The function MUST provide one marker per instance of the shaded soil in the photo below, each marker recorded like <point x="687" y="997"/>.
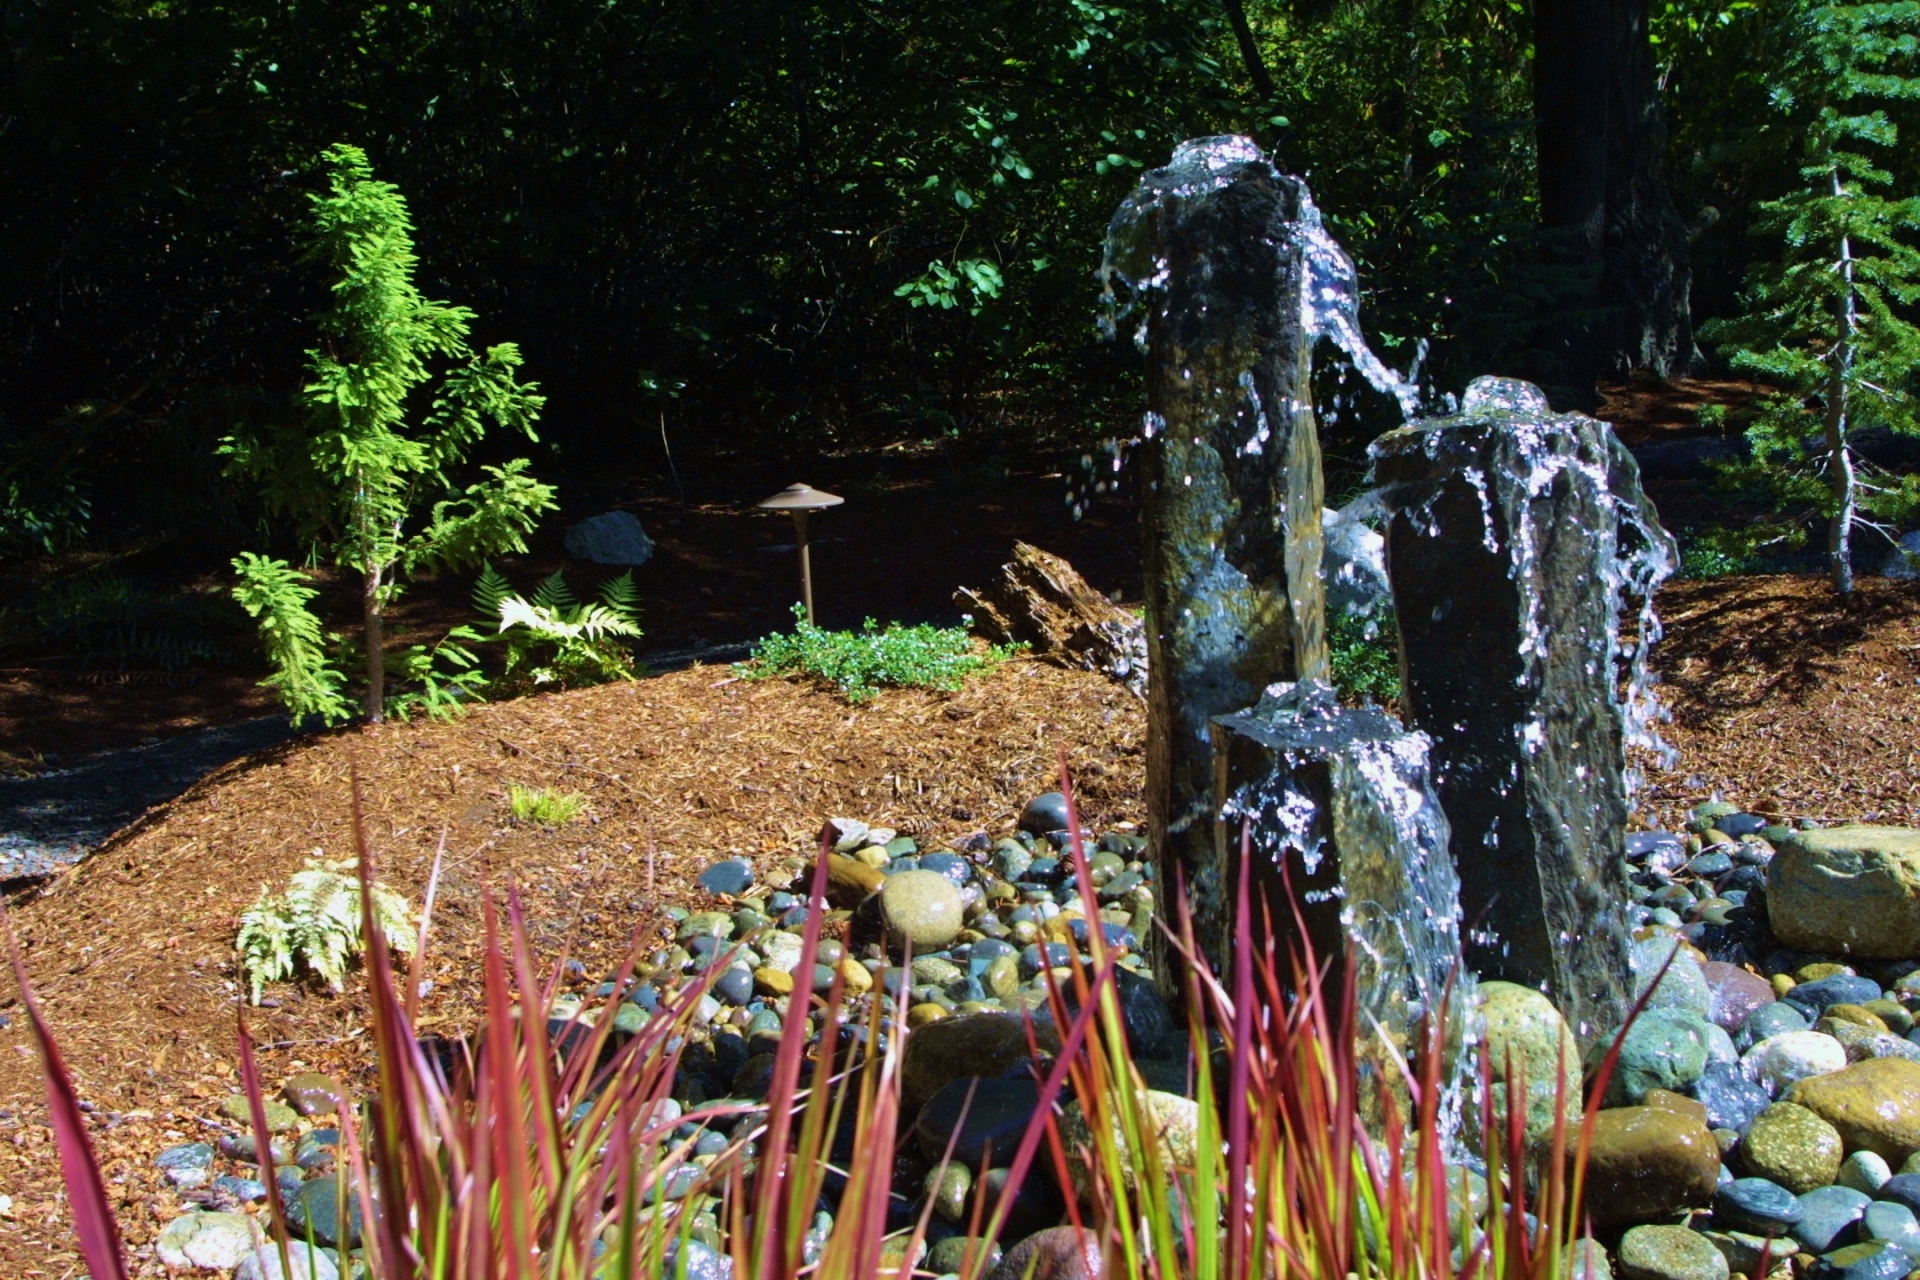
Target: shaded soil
<point x="723" y="574"/>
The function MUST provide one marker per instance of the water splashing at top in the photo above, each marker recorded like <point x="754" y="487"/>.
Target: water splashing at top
<point x="1328" y="298"/>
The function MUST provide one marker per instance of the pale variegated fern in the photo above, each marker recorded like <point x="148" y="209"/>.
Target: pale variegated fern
<point x="316" y="924"/>
<point x="554" y="641"/>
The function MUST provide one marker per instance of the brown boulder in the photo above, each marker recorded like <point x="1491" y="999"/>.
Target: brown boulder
<point x="1874" y="1104"/>
<point x="1647" y="1163"/>
<point x="1042" y="601"/>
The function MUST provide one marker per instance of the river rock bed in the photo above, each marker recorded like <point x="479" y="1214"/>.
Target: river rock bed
<point x="1765" y="1101"/>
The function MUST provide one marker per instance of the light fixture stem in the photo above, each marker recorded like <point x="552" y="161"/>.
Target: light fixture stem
<point x="806" y="564"/>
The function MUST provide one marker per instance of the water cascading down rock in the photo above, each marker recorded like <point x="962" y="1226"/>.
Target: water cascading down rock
<point x="1234" y="279"/>
<point x="1517" y="538"/>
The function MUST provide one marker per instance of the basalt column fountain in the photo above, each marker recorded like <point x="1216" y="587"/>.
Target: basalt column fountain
<point x="1234" y="279"/>
<point x="1207" y="251"/>
<point x="1517" y="539"/>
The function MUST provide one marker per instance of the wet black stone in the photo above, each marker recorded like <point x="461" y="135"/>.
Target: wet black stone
<point x="1037" y="1202"/>
<point x="984" y="1119"/>
<point x="1813" y="998"/>
<point x="1045" y="870"/>
<point x="732" y="877"/>
<point x="1044" y="813"/>
<point x="1740" y="824"/>
<point x="1732" y="1101"/>
<point x="1485" y="564"/>
<point x="1755" y="1205"/>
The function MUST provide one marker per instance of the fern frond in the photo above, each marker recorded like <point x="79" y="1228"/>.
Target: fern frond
<point x="555" y="594"/>
<point x="623" y="599"/>
<point x="491" y="588"/>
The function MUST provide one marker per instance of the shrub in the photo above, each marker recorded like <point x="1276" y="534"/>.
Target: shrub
<point x="547" y="807"/>
<point x="556" y="641"/>
<point x="1364" y="656"/>
<point x="859" y="663"/>
<point x="316" y="925"/>
<point x="364" y="481"/>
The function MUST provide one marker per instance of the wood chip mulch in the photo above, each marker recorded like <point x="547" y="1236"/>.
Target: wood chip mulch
<point x="1790" y="700"/>
<point x="131" y="955"/>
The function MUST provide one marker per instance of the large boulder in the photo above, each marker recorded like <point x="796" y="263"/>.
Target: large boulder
<point x="1648" y="1163"/>
<point x="1525" y="1038"/>
<point x="615" y="537"/>
<point x="1853" y="890"/>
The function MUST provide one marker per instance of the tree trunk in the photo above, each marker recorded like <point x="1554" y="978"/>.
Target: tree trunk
<point x="1256" y="65"/>
<point x="1607" y="219"/>
<point x="376" y="638"/>
<point x="1839" y="458"/>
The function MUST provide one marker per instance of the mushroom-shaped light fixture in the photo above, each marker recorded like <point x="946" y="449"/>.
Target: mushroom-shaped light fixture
<point x="802" y="499"/>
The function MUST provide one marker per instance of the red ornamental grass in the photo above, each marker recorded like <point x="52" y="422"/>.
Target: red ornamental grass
<point x="531" y="1160"/>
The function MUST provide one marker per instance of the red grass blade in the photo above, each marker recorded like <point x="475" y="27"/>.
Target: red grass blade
<point x="93" y="1220"/>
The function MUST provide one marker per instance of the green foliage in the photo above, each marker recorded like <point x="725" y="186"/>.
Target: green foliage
<point x="1365" y="656"/>
<point x="277" y="595"/>
<point x="103" y="619"/>
<point x="859" y="663"/>
<point x="556" y="641"/>
<point x="1828" y="322"/>
<point x="353" y="475"/>
<point x="315" y="925"/>
<point x="544" y="805"/>
<point x="445" y="677"/>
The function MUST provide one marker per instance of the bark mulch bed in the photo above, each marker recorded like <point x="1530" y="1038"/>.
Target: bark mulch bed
<point x="131" y="954"/>
<point x="1790" y="700"/>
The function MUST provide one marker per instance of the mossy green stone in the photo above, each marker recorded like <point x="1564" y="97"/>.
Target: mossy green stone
<point x="1670" y="1253"/>
<point x="280" y="1117"/>
<point x="1792" y="1146"/>
<point x="1524" y="1036"/>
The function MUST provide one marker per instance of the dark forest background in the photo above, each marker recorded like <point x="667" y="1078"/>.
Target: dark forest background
<point x="788" y="228"/>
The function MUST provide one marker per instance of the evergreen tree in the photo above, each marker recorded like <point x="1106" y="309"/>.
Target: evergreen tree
<point x="355" y="471"/>
<point x="1829" y="321"/>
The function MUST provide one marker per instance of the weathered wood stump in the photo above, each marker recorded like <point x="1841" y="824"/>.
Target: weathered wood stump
<point x="1041" y="601"/>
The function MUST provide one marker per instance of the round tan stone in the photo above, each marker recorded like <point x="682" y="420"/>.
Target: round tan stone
<point x="1173" y="1122"/>
<point x="772" y="981"/>
<point x="925" y="1014"/>
<point x="1792" y="1146"/>
<point x="1851" y="889"/>
<point x="1874" y="1105"/>
<point x="1648" y="1163"/>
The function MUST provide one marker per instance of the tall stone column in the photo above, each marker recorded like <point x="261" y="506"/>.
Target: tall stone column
<point x="1208" y="251"/>
<point x="1517" y="537"/>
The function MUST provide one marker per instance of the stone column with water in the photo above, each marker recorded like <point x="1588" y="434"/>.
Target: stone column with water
<point x="1209" y="254"/>
<point x="1234" y="279"/>
<point x="1517" y="538"/>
